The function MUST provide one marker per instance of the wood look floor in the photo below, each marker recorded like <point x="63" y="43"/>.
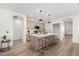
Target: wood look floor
<point x="63" y="48"/>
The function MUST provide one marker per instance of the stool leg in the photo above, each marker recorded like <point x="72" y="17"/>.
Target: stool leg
<point x="48" y="43"/>
<point x="42" y="44"/>
<point x="8" y="45"/>
<point x="1" y="47"/>
<point x="38" y="45"/>
<point x="45" y="44"/>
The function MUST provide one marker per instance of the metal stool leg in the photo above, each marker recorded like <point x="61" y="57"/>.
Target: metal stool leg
<point x="38" y="45"/>
<point x="1" y="47"/>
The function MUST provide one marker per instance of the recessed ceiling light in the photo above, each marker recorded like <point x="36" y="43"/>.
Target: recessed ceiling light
<point x="38" y="10"/>
<point x="48" y="14"/>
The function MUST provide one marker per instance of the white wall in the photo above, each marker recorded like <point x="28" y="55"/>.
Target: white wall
<point x="24" y="30"/>
<point x="61" y="27"/>
<point x="56" y="29"/>
<point x="6" y="23"/>
<point x="76" y="29"/>
<point x="48" y="27"/>
<point x="62" y="30"/>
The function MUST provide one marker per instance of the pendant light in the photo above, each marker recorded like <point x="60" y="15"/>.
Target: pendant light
<point x="40" y="11"/>
<point x="49" y="18"/>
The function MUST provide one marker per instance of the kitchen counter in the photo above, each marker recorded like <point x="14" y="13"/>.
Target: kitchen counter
<point x="42" y="35"/>
<point x="36" y="39"/>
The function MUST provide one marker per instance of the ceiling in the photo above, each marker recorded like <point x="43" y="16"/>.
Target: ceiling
<point x="56" y="10"/>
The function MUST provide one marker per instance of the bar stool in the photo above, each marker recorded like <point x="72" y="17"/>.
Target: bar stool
<point x="46" y="43"/>
<point x="40" y="44"/>
<point x="51" y="40"/>
<point x="28" y="40"/>
<point x="40" y="47"/>
<point x="56" y="40"/>
<point x="43" y="43"/>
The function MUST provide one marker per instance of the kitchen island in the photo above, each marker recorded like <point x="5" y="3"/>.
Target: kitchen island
<point x="38" y="41"/>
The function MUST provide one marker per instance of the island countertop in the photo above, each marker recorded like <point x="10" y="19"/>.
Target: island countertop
<point x="42" y="35"/>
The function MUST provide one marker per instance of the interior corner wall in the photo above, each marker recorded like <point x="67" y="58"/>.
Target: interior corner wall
<point x="62" y="32"/>
<point x="24" y="30"/>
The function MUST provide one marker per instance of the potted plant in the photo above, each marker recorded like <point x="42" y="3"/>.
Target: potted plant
<point x="4" y="38"/>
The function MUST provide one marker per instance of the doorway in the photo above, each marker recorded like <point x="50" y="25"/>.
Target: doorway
<point x="17" y="28"/>
<point x="56" y="29"/>
<point x="68" y="29"/>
